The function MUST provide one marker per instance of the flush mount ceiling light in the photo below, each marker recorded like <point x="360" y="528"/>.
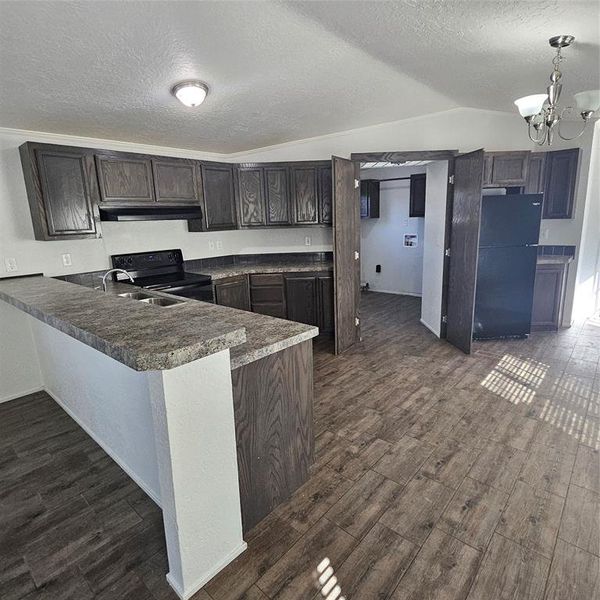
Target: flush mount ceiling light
<point x="190" y="93"/>
<point x="541" y="111"/>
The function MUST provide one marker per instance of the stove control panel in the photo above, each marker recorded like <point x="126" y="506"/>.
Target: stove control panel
<point x="148" y="260"/>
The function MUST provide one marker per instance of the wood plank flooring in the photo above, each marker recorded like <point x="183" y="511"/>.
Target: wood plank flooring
<point x="437" y="476"/>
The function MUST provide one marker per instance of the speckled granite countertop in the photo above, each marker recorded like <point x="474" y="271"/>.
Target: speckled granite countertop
<point x="553" y="259"/>
<point x="262" y="267"/>
<point x="147" y="337"/>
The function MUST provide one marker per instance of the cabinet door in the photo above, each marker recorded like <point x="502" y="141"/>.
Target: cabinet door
<point x="62" y="191"/>
<point x="176" y="180"/>
<point x="219" y="197"/>
<point x="559" y="187"/>
<point x="324" y="189"/>
<point x="304" y="195"/>
<point x="369" y="199"/>
<point x="535" y="174"/>
<point x="418" y="183"/>
<point x="301" y="299"/>
<point x="507" y="168"/>
<point x="277" y="195"/>
<point x="251" y="196"/>
<point x="547" y="297"/>
<point x="125" y="178"/>
<point x="325" y="295"/>
<point x="233" y="292"/>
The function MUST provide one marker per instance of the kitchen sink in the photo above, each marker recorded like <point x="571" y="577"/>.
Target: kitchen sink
<point x="135" y="295"/>
<point x="161" y="301"/>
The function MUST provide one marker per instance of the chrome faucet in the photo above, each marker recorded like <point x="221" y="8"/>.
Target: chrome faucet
<point x="114" y="271"/>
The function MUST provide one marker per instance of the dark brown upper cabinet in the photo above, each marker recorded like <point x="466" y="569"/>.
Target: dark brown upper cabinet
<point x="325" y="195"/>
<point x="219" y="196"/>
<point x="176" y="180"/>
<point x="251" y="197"/>
<point x="62" y="191"/>
<point x="125" y="178"/>
<point x="418" y="185"/>
<point x="559" y="183"/>
<point x="233" y="292"/>
<point x="277" y="192"/>
<point x="505" y="169"/>
<point x="305" y="195"/>
<point x="535" y="173"/>
<point x="369" y="199"/>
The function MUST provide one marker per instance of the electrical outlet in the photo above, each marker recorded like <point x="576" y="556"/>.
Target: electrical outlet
<point x="211" y="245"/>
<point x="219" y="245"/>
<point x="11" y="264"/>
<point x="66" y="260"/>
<point x="307" y="241"/>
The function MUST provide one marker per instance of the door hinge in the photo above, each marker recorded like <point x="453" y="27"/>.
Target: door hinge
<point x="447" y="252"/>
<point x="356" y="255"/>
<point x="356" y="321"/>
<point x="445" y="319"/>
<point x="451" y="179"/>
<point x="356" y="183"/>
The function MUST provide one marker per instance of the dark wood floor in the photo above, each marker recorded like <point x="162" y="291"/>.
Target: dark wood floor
<point x="437" y="476"/>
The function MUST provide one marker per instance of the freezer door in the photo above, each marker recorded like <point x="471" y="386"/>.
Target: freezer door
<point x="510" y="220"/>
<point x="504" y="295"/>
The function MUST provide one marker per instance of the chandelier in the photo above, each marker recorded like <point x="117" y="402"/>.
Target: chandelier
<point x="541" y="111"/>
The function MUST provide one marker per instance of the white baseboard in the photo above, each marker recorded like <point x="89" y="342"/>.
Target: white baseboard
<point x="396" y="292"/>
<point x="105" y="447"/>
<point x="184" y="595"/>
<point x="436" y="333"/>
<point x="20" y="394"/>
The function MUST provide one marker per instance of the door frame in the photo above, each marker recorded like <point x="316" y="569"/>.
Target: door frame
<point x="403" y="156"/>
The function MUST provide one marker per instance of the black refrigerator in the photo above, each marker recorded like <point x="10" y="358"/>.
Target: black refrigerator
<point x="508" y="240"/>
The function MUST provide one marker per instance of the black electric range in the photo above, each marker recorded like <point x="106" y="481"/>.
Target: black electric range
<point x="163" y="271"/>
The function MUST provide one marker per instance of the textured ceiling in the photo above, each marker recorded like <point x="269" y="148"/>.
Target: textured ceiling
<point x="277" y="71"/>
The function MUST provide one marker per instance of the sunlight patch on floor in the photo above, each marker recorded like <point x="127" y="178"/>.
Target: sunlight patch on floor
<point x="515" y="379"/>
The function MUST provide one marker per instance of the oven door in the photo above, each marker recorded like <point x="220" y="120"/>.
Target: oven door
<point x="203" y="292"/>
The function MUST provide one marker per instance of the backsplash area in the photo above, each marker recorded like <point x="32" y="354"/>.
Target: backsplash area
<point x="94" y="278"/>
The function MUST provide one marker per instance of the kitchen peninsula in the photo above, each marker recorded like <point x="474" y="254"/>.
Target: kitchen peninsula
<point x="207" y="408"/>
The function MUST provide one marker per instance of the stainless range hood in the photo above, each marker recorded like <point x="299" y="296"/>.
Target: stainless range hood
<point x="149" y="213"/>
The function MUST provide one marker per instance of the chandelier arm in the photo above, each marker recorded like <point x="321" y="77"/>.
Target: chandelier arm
<point x="568" y="139"/>
<point x="538" y="140"/>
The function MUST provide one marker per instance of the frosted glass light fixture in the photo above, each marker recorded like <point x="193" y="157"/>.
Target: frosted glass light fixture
<point x="589" y="100"/>
<point x="190" y="93"/>
<point x="531" y="105"/>
<point x="541" y="111"/>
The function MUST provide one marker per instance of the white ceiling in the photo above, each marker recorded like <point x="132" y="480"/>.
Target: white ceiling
<point x="277" y="71"/>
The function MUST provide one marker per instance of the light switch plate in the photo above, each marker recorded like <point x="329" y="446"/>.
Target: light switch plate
<point x="10" y="264"/>
<point x="307" y="240"/>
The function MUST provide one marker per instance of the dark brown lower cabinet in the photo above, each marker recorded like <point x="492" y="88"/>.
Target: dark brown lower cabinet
<point x="273" y="400"/>
<point x="267" y="293"/>
<point x="301" y="298"/>
<point x="548" y="296"/>
<point x="233" y="292"/>
<point x="309" y="298"/>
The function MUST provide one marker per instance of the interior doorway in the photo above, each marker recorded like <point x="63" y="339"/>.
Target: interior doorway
<point x="403" y="232"/>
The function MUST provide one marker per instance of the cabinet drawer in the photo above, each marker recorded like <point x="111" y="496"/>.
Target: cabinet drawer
<point x="266" y="293"/>
<point x="270" y="309"/>
<point x="267" y="279"/>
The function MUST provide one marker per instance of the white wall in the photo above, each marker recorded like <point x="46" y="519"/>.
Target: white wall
<point x="109" y="400"/>
<point x="16" y="231"/>
<point x="588" y="276"/>
<point x="19" y="368"/>
<point x="433" y="245"/>
<point x="382" y="239"/>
